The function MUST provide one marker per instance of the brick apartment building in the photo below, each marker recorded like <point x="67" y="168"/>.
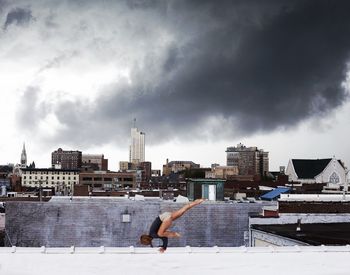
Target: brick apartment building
<point x="61" y="180"/>
<point x="178" y="166"/>
<point x="249" y="160"/>
<point x="95" y="160"/>
<point x="66" y="159"/>
<point x="102" y="180"/>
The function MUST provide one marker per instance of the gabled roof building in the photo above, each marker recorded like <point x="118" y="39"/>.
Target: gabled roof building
<point x="330" y="171"/>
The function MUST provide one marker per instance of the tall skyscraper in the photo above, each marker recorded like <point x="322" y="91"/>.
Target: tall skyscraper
<point x="249" y="160"/>
<point x="137" y="146"/>
<point x="24" y="156"/>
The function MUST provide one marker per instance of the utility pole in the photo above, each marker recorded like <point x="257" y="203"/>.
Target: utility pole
<point x="71" y="191"/>
<point x="40" y="192"/>
<point x="346" y="184"/>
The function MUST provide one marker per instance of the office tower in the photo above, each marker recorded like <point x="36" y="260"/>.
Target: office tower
<point x="137" y="146"/>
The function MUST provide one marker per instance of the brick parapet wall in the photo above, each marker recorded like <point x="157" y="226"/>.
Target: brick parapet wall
<point x="99" y="223"/>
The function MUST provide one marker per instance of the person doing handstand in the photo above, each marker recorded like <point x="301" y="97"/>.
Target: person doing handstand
<point x="159" y="227"/>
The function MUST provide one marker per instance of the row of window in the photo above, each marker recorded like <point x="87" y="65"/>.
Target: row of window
<point x="97" y="179"/>
<point x="106" y="179"/>
<point x="49" y="172"/>
<point x="41" y="177"/>
<point x="46" y="184"/>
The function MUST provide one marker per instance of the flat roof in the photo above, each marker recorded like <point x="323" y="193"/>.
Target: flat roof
<point x="311" y="233"/>
<point x="50" y="169"/>
<point x="206" y="180"/>
<point x="315" y="197"/>
<point x="176" y="260"/>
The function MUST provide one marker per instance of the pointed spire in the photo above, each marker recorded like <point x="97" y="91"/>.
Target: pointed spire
<point x="24" y="156"/>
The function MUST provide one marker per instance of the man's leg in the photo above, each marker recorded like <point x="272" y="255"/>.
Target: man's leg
<point x="177" y="214"/>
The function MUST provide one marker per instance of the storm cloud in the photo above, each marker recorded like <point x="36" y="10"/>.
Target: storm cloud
<point x="208" y="69"/>
<point x="18" y="16"/>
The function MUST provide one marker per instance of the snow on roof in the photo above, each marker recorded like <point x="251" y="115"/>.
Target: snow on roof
<point x="178" y="260"/>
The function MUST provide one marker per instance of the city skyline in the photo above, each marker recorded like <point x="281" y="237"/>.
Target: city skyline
<point x="198" y="76"/>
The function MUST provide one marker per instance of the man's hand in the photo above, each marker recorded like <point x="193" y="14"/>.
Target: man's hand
<point x="161" y="249"/>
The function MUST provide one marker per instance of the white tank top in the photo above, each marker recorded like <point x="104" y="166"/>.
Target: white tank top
<point x="164" y="216"/>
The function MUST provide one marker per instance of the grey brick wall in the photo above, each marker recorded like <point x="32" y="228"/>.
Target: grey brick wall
<point x="99" y="222"/>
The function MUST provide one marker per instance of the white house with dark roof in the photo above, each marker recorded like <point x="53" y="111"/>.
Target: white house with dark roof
<point x="330" y="171"/>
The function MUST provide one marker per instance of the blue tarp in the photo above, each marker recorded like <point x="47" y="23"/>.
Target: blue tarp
<point x="274" y="193"/>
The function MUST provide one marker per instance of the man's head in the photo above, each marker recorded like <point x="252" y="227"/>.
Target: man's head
<point x="146" y="240"/>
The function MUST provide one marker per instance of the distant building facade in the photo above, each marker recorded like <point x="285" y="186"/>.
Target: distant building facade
<point x="98" y="159"/>
<point x="137" y="146"/>
<point x="67" y="159"/>
<point x="146" y="167"/>
<point x="60" y="180"/>
<point x="125" y="165"/>
<point x="222" y="172"/>
<point x="101" y="180"/>
<point x="249" y="160"/>
<point x="178" y="166"/>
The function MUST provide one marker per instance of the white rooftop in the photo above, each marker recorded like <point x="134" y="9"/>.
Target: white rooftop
<point x="176" y="260"/>
<point x="314" y="197"/>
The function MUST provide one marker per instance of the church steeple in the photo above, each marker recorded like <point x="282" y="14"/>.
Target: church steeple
<point x="24" y="156"/>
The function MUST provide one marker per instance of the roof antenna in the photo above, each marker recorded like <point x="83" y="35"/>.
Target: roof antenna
<point x="134" y="122"/>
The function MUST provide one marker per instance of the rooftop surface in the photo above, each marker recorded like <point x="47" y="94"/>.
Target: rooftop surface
<point x="316" y="197"/>
<point x="312" y="233"/>
<point x="180" y="260"/>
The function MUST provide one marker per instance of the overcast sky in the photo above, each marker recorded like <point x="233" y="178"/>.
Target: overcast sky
<point x="198" y="76"/>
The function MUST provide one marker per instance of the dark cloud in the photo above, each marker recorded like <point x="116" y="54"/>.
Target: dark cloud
<point x="259" y="76"/>
<point x="18" y="16"/>
<point x="146" y="4"/>
<point x="3" y="3"/>
<point x="255" y="65"/>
